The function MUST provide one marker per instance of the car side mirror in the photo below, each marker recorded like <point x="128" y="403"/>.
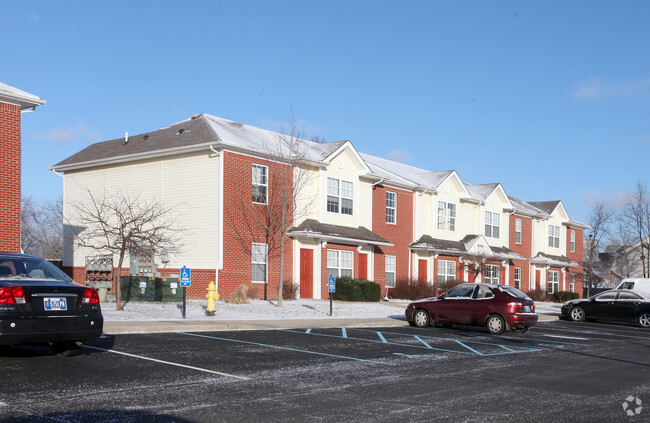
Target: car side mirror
<point x="442" y="296"/>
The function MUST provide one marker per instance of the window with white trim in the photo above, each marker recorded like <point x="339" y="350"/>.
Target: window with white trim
<point x="491" y="273"/>
<point x="446" y="270"/>
<point x="259" y="262"/>
<point x="572" y="282"/>
<point x="553" y="281"/>
<point x="446" y="216"/>
<point x="518" y="277"/>
<point x="491" y="224"/>
<point x="340" y="195"/>
<point x="518" y="232"/>
<point x="391" y="206"/>
<point x="391" y="266"/>
<point x="553" y="236"/>
<point x="260" y="183"/>
<point x="573" y="241"/>
<point x="340" y="264"/>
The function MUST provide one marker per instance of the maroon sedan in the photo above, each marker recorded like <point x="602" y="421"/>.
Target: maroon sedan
<point x="496" y="307"/>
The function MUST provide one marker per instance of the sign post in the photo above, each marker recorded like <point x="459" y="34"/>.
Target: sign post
<point x="186" y="282"/>
<point x="331" y="287"/>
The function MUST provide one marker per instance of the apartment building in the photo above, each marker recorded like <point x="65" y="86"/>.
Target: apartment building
<point x="353" y="214"/>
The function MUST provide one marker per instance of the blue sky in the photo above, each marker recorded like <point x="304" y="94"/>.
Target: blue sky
<point x="548" y="98"/>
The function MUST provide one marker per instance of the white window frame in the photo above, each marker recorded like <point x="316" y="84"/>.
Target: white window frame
<point x="553" y="281"/>
<point x="518" y="230"/>
<point x="340" y="263"/>
<point x="491" y="273"/>
<point x="492" y="224"/>
<point x="340" y="196"/>
<point x="446" y="216"/>
<point x="391" y="207"/>
<point x="446" y="270"/>
<point x="553" y="236"/>
<point x="573" y="241"/>
<point x="260" y="182"/>
<point x="390" y="270"/>
<point x="518" y="277"/>
<point x="572" y="282"/>
<point x="259" y="257"/>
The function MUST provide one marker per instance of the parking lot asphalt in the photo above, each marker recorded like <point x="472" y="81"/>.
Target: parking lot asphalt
<point x="154" y="326"/>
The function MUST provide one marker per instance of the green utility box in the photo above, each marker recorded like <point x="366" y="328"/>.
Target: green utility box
<point x="150" y="289"/>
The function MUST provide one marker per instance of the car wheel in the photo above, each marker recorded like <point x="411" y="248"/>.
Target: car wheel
<point x="421" y="318"/>
<point x="66" y="348"/>
<point x="644" y="320"/>
<point x="520" y="330"/>
<point x="577" y="314"/>
<point x="495" y="324"/>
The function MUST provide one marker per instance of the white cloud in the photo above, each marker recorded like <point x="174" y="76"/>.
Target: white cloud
<point x="67" y="135"/>
<point x="598" y="88"/>
<point x="612" y="199"/>
<point x="401" y="156"/>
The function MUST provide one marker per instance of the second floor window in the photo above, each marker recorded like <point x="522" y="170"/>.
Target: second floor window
<point x="573" y="241"/>
<point x="518" y="231"/>
<point x="260" y="183"/>
<point x="391" y="207"/>
<point x="446" y="216"/>
<point x="492" y="224"/>
<point x="553" y="236"/>
<point x="340" y="196"/>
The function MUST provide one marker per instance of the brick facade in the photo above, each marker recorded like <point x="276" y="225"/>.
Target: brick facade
<point x="10" y="177"/>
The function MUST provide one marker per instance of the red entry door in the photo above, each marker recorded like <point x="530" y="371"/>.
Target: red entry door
<point x="422" y="270"/>
<point x="306" y="273"/>
<point x="363" y="266"/>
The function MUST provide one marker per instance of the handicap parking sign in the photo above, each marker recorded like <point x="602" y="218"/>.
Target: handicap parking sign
<point x="186" y="277"/>
<point x="331" y="284"/>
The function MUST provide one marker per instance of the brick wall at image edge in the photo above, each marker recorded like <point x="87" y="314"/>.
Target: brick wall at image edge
<point x="10" y="177"/>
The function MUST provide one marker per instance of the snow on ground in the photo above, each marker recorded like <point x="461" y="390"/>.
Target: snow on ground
<point x="269" y="310"/>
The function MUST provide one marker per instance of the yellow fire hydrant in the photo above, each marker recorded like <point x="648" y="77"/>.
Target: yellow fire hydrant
<point x="212" y="296"/>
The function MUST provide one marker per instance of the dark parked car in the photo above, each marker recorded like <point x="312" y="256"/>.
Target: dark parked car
<point x="41" y="304"/>
<point x="494" y="306"/>
<point x="618" y="304"/>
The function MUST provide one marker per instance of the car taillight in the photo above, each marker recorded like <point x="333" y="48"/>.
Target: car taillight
<point x="90" y="296"/>
<point x="515" y="305"/>
<point x="12" y="295"/>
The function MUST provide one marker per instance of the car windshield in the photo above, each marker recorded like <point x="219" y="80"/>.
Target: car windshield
<point x="27" y="267"/>
<point x="514" y="292"/>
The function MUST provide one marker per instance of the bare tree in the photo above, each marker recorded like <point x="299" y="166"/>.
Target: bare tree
<point x="636" y="216"/>
<point x="600" y="220"/>
<point x="278" y="203"/>
<point x="476" y="264"/>
<point x="41" y="227"/>
<point x="120" y="223"/>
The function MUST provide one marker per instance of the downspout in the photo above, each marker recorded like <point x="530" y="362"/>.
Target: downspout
<point x="219" y="220"/>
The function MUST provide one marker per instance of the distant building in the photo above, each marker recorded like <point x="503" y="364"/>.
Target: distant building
<point x="368" y="217"/>
<point x="13" y="102"/>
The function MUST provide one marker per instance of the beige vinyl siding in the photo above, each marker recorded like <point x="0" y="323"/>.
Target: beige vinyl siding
<point x="189" y="183"/>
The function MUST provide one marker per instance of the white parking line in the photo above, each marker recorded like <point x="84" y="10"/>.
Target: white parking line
<point x="167" y="362"/>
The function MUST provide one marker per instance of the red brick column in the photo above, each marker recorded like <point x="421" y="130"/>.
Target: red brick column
<point x="10" y="177"/>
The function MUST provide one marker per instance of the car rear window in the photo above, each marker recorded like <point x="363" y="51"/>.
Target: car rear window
<point x="514" y="292"/>
<point x="27" y="267"/>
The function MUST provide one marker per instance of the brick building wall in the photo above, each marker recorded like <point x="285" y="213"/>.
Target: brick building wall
<point x="524" y="249"/>
<point x="400" y="233"/>
<point x="10" y="177"/>
<point x="241" y="229"/>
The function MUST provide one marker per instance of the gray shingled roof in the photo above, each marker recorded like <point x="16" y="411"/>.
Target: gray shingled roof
<point x="344" y="234"/>
<point x="546" y="206"/>
<point x="459" y="248"/>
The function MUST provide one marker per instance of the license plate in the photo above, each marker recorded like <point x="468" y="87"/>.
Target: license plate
<point x="527" y="309"/>
<point x="55" y="304"/>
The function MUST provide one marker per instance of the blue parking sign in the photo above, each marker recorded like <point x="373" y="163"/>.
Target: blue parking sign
<point x="331" y="284"/>
<point x="186" y="277"/>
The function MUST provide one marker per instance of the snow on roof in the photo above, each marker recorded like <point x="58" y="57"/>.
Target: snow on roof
<point x="482" y="191"/>
<point x="405" y="173"/>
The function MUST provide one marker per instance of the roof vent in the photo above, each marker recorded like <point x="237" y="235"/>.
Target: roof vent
<point x="146" y="137"/>
<point x="126" y="137"/>
<point x="180" y="131"/>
